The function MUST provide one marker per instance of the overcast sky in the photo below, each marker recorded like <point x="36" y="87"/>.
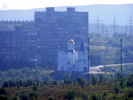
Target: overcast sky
<point x="29" y="4"/>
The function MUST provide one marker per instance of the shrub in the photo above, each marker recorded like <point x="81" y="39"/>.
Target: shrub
<point x="116" y="89"/>
<point x="79" y="80"/>
<point x="130" y="81"/>
<point x="45" y="82"/>
<point x="34" y="88"/>
<point x="6" y="84"/>
<point x="51" y="98"/>
<point x="84" y="95"/>
<point x="104" y="95"/>
<point x="70" y="95"/>
<point x="93" y="80"/>
<point x="36" y="94"/>
<point x="24" y="96"/>
<point x="4" y="97"/>
<point x="100" y="78"/>
<point x="3" y="91"/>
<point x="94" y="96"/>
<point x="129" y="93"/>
<point x="82" y="84"/>
<point x="54" y="82"/>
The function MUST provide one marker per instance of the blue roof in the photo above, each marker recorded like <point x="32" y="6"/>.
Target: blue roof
<point x="72" y="51"/>
<point x="82" y="47"/>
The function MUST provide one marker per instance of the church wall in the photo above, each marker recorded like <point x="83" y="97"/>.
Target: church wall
<point x="70" y="46"/>
<point x="82" y="55"/>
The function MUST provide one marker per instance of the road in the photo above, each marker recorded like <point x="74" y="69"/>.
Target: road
<point x="96" y="69"/>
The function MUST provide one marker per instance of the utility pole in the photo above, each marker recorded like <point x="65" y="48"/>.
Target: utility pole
<point x="28" y="46"/>
<point x="114" y="24"/>
<point x="121" y="57"/>
<point x="106" y="45"/>
<point x="102" y="28"/>
<point x="131" y="25"/>
<point x="106" y="33"/>
<point x="88" y="62"/>
<point x="130" y="32"/>
<point x="126" y="29"/>
<point x="97" y="24"/>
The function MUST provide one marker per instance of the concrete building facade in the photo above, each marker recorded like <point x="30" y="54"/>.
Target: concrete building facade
<point x="41" y="39"/>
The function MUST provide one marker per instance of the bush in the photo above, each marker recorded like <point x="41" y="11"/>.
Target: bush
<point x="70" y="95"/>
<point x="36" y="94"/>
<point x="24" y="96"/>
<point x="84" y="95"/>
<point x="4" y="97"/>
<point x="51" y="98"/>
<point x="54" y="82"/>
<point x="6" y="84"/>
<point x="82" y="84"/>
<point x="93" y="80"/>
<point x="34" y="88"/>
<point x="45" y="82"/>
<point x="130" y="81"/>
<point x="129" y="93"/>
<point x="79" y="80"/>
<point x="94" y="96"/>
<point x="116" y="89"/>
<point x="104" y="95"/>
<point x="3" y="91"/>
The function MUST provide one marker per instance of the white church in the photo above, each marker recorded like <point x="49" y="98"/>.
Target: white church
<point x="72" y="60"/>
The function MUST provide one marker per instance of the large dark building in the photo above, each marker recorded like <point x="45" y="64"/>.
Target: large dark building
<point x="40" y="40"/>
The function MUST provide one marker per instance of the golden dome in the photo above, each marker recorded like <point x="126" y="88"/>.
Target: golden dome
<point x="71" y="41"/>
<point x="82" y="37"/>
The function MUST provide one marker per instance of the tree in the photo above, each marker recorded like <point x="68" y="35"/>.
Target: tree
<point x="11" y="83"/>
<point x="100" y="78"/>
<point x="74" y="82"/>
<point x="34" y="88"/>
<point x="79" y="80"/>
<point x="45" y="82"/>
<point x="6" y="84"/>
<point x="54" y="82"/>
<point x="93" y="80"/>
<point x="82" y="84"/>
<point x="116" y="89"/>
<point x="130" y="81"/>
<point x="118" y="76"/>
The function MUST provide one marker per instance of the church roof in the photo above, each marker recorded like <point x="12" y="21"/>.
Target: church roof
<point x="82" y="47"/>
<point x="71" y="41"/>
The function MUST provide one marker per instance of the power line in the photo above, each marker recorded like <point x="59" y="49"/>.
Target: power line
<point x="123" y="45"/>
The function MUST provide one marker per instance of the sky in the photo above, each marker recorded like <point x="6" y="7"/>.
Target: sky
<point x="30" y="4"/>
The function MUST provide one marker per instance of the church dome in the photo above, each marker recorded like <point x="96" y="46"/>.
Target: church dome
<point x="71" y="41"/>
<point x="82" y="37"/>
